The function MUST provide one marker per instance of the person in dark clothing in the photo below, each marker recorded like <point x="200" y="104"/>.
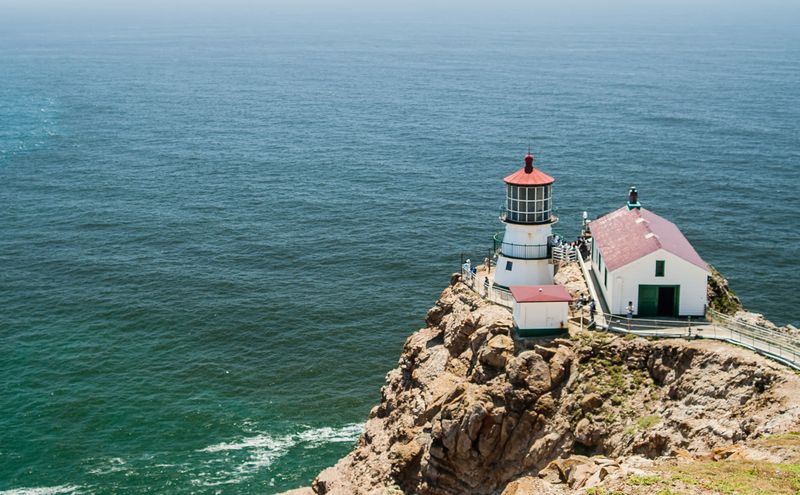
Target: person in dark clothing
<point x="629" y="311"/>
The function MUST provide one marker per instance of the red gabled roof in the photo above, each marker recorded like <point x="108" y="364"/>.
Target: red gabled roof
<point x="540" y="293"/>
<point x="535" y="178"/>
<point x="624" y="236"/>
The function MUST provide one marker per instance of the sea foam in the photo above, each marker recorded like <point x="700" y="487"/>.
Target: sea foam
<point x="43" y="490"/>
<point x="311" y="437"/>
<point x="264" y="449"/>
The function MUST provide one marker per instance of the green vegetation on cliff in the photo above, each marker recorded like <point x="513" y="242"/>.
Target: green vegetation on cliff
<point x="720" y="295"/>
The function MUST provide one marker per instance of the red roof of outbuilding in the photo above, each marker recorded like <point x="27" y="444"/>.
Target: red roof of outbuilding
<point x="529" y="176"/>
<point x="624" y="236"/>
<point x="540" y="293"/>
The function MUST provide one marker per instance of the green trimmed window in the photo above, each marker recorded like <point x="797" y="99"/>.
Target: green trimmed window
<point x="509" y="265"/>
<point x="605" y="277"/>
<point x="659" y="268"/>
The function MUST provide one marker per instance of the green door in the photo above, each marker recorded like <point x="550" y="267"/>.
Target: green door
<point x="659" y="300"/>
<point x="648" y="300"/>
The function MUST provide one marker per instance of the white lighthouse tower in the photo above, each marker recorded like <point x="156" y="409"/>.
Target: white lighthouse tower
<point x="524" y="250"/>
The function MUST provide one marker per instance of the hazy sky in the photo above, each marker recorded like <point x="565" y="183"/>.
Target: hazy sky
<point x="535" y="12"/>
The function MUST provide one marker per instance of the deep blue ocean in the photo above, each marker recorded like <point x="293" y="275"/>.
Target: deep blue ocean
<point x="213" y="243"/>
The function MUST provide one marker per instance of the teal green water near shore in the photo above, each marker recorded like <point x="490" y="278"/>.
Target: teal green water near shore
<point x="214" y="244"/>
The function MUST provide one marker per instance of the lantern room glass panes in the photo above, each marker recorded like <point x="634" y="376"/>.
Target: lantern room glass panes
<point x="528" y="204"/>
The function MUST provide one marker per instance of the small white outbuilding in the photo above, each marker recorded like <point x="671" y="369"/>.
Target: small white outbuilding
<point x="640" y="257"/>
<point x="540" y="309"/>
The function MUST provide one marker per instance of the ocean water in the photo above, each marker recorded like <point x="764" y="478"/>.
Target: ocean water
<point x="213" y="243"/>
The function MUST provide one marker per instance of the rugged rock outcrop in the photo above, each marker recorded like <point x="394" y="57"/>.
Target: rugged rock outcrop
<point x="470" y="409"/>
<point x="720" y="295"/>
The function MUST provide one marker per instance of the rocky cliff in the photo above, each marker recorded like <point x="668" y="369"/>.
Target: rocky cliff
<point x="469" y="409"/>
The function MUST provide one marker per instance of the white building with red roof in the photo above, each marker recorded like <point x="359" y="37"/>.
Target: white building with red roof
<point x="640" y="257"/>
<point x="540" y="309"/>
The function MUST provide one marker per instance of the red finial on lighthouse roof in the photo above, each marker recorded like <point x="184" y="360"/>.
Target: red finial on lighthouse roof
<point x="529" y="175"/>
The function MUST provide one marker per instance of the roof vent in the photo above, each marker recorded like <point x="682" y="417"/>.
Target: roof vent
<point x="528" y="163"/>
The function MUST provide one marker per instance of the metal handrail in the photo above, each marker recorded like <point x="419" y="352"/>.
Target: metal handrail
<point x="523" y="251"/>
<point x="774" y="335"/>
<point x="492" y="294"/>
<point x="771" y="343"/>
<point x="653" y="323"/>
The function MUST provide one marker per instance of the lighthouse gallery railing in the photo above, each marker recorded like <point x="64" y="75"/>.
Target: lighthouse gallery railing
<point x="522" y="251"/>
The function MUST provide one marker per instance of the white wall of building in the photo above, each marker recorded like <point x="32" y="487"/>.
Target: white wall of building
<point x="606" y="283"/>
<point x="523" y="272"/>
<point x="527" y="234"/>
<point x="540" y="315"/>
<point x="623" y="283"/>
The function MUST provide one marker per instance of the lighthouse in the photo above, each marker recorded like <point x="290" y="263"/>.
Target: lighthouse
<point x="523" y="250"/>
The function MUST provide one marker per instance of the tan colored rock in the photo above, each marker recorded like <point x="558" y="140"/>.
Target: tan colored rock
<point x="560" y="363"/>
<point x="591" y="402"/>
<point x="529" y="485"/>
<point x="579" y="474"/>
<point x="403" y="454"/>
<point x="589" y="433"/>
<point x="530" y="370"/>
<point x="570" y="276"/>
<point x="497" y="351"/>
<point x="300" y="491"/>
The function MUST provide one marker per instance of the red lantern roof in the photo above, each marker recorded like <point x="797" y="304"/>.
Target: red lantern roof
<point x="529" y="175"/>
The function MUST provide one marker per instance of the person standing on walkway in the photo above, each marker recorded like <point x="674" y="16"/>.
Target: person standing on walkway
<point x="578" y="305"/>
<point x="486" y="285"/>
<point x="629" y="309"/>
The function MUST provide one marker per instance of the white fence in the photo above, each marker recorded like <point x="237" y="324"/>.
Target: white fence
<point x="492" y="294"/>
<point x="771" y="343"/>
<point x="565" y="253"/>
<point x="776" y="344"/>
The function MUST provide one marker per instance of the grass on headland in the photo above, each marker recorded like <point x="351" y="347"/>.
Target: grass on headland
<point x="733" y="475"/>
<point x="646" y="422"/>
<point x="736" y="476"/>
